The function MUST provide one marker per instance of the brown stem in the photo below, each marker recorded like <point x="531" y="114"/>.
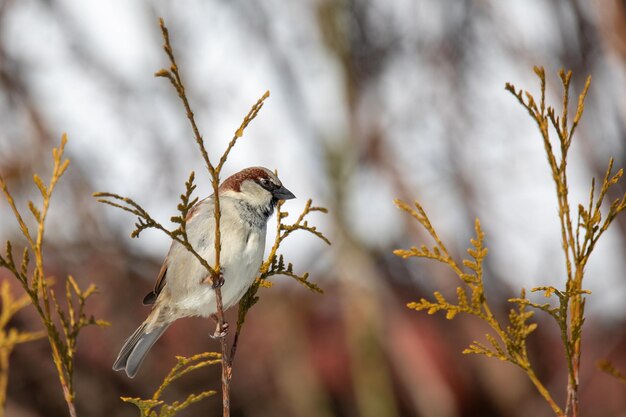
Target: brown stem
<point x="66" y="383"/>
<point x="69" y="399"/>
<point x="174" y="76"/>
<point x="571" y="409"/>
<point x="576" y="317"/>
<point x="226" y="377"/>
<point x="226" y="365"/>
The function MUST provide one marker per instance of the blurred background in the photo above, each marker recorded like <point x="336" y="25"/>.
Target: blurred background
<point x="370" y="101"/>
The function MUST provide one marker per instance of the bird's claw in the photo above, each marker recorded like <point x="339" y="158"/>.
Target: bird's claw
<point x="218" y="281"/>
<point x="221" y="330"/>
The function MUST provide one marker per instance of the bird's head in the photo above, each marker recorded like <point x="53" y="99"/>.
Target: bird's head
<point x="257" y="186"/>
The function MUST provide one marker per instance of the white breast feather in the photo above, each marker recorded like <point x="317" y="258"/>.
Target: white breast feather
<point x="241" y="257"/>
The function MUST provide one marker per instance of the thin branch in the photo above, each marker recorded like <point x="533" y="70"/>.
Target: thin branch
<point x="273" y="266"/>
<point x="37" y="287"/>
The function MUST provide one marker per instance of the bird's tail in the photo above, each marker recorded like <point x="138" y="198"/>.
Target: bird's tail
<point x="136" y="348"/>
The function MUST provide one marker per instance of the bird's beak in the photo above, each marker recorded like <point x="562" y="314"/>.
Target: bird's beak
<point x="283" y="194"/>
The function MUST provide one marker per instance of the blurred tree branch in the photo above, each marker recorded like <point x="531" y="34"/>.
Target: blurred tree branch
<point x="578" y="242"/>
<point x="62" y="336"/>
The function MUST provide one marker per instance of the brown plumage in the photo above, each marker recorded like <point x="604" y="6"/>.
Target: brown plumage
<point x="234" y="181"/>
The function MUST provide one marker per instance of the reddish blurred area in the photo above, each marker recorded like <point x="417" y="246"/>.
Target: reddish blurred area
<point x="356" y="350"/>
<point x="310" y="355"/>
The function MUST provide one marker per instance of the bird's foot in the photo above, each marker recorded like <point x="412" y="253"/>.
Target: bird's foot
<point x="221" y="330"/>
<point x="217" y="280"/>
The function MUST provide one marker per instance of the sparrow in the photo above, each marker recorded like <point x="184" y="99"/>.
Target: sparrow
<point x="247" y="200"/>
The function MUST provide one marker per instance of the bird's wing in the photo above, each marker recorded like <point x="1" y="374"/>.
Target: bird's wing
<point x="194" y="210"/>
<point x="151" y="297"/>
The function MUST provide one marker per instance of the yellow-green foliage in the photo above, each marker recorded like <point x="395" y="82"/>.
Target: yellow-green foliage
<point x="147" y="407"/>
<point x="505" y="343"/>
<point x="273" y="265"/>
<point x="10" y="337"/>
<point x="62" y="336"/>
<point x="578" y="241"/>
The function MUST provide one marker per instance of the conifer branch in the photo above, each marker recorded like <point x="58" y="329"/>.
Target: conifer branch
<point x="62" y="327"/>
<point x="509" y="344"/>
<point x="156" y="407"/>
